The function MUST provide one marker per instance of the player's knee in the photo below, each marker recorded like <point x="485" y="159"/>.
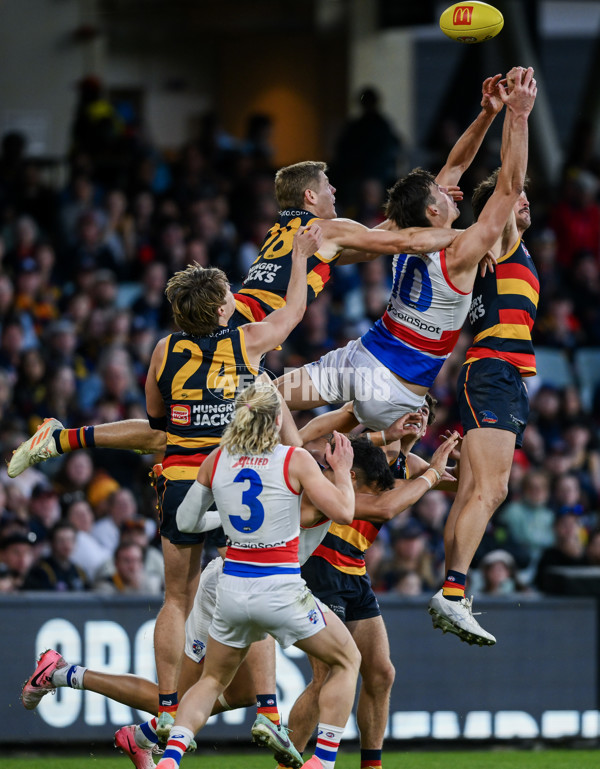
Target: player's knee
<point x="380" y="677"/>
<point x="493" y="493"/>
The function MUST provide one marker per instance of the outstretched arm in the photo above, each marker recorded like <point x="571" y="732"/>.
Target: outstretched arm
<point x="463" y="256"/>
<point x="276" y="327"/>
<point x="463" y="153"/>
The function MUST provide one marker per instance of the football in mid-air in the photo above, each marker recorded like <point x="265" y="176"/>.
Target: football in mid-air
<point x="471" y="22"/>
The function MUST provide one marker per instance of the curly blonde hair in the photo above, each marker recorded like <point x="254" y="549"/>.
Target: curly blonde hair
<point x="253" y="429"/>
<point x="195" y="295"/>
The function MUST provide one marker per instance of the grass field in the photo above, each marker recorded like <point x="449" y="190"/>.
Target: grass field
<point x="490" y="759"/>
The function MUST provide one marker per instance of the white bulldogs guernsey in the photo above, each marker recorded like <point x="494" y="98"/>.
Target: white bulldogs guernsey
<point x="260" y="512"/>
<point x="422" y="323"/>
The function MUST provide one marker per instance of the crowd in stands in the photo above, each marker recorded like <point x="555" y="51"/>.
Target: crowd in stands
<point x="83" y="268"/>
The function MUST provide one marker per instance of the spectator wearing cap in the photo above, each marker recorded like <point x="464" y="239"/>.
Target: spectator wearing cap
<point x="499" y="573"/>
<point x="44" y="510"/>
<point x="57" y="571"/>
<point x="129" y="576"/>
<point x="410" y="553"/>
<point x="568" y="548"/>
<point x="88" y="553"/>
<point x="18" y="554"/>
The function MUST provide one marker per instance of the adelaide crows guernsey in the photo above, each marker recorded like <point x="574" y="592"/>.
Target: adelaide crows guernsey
<point x="422" y="323"/>
<point x="503" y="311"/>
<point x="198" y="380"/>
<point x="265" y="286"/>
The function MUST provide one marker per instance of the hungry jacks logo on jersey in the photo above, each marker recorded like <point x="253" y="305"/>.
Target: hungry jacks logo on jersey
<point x="181" y="414"/>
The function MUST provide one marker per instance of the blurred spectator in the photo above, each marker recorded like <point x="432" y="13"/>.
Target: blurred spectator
<point x="529" y="520"/>
<point x="121" y="507"/>
<point x="8" y="579"/>
<point x="367" y="148"/>
<point x="17" y="553"/>
<point x="57" y="571"/>
<point x="129" y="576"/>
<point x="134" y="531"/>
<point x="576" y="217"/>
<point x="592" y="551"/>
<point x="499" y="574"/>
<point x="409" y="554"/>
<point x="88" y="553"/>
<point x="44" y="510"/>
<point x="567" y="550"/>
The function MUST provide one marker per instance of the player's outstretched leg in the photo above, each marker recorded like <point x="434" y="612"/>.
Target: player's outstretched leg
<point x="40" y="682"/>
<point x="132" y="742"/>
<point x="457" y="617"/>
<point x="38" y="448"/>
<point x="276" y="738"/>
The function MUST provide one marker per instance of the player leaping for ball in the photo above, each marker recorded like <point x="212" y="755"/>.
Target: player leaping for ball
<point x="388" y="371"/>
<point x="494" y="407"/>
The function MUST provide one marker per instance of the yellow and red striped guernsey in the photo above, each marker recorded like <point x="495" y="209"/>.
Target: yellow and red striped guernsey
<point x="344" y="547"/>
<point x="503" y="311"/>
<point x="265" y="286"/>
<point x="198" y="380"/>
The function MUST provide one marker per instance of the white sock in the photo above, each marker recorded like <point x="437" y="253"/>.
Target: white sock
<point x="328" y="742"/>
<point x="70" y="675"/>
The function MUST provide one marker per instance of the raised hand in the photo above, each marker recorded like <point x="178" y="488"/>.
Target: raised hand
<point x="521" y="90"/>
<point x="342" y="456"/>
<point x="307" y="241"/>
<point x="491" y="100"/>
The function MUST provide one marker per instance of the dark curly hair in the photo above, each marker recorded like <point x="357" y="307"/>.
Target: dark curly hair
<point x="370" y="465"/>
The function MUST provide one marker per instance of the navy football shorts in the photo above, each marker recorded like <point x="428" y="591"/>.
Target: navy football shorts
<point x="350" y="596"/>
<point x="170" y="495"/>
<point x="491" y="393"/>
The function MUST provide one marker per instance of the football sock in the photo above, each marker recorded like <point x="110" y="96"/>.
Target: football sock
<point x="454" y="586"/>
<point x="168" y="703"/>
<point x="328" y="742"/>
<point x="148" y="729"/>
<point x="71" y="675"/>
<point x="78" y="438"/>
<point x="178" y="743"/>
<point x="267" y="706"/>
<point x="370" y="759"/>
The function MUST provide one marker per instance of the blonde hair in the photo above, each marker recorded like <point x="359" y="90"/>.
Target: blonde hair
<point x="252" y="429"/>
<point x="195" y="295"/>
<point x="292" y="181"/>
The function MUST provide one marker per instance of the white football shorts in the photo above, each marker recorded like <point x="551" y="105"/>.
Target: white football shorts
<point x="200" y="617"/>
<point x="352" y="373"/>
<point x="250" y="608"/>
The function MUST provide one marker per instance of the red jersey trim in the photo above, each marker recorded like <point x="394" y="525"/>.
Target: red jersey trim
<point x="523" y="362"/>
<point x="444" y="267"/>
<point x="183" y="460"/>
<point x="286" y="470"/>
<point x="442" y="346"/>
<point x="214" y="470"/>
<point x="284" y="554"/>
<point x="258" y="312"/>
<point x="337" y="559"/>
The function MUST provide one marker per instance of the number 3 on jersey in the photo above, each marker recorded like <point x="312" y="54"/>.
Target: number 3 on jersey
<point x="251" y="500"/>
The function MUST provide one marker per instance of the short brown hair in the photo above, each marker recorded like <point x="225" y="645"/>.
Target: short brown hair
<point x="195" y="295"/>
<point x="484" y="191"/>
<point x="408" y="199"/>
<point x="292" y="181"/>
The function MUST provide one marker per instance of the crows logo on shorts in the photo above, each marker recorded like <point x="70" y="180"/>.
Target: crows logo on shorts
<point x="488" y="417"/>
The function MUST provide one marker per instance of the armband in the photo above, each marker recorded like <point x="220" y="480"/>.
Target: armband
<point x="190" y="512"/>
<point x="157" y="423"/>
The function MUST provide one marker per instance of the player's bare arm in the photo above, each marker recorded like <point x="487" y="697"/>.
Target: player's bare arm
<point x="463" y="153"/>
<point x="276" y="327"/>
<point x="346" y="233"/>
<point x="463" y="256"/>
<point x="155" y="405"/>
<point x="335" y="500"/>
<point x="389" y="504"/>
